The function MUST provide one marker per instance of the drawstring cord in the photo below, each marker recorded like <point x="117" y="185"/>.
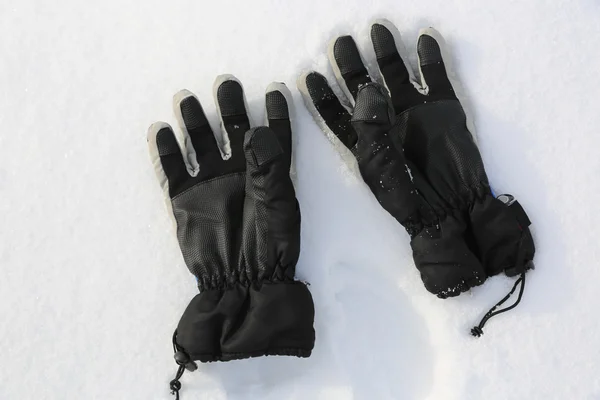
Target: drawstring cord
<point x="477" y="331"/>
<point x="175" y="384"/>
<point x="183" y="360"/>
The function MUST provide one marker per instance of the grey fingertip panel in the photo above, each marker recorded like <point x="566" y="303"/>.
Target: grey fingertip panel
<point x="232" y="109"/>
<point x="393" y="64"/>
<point x="336" y="117"/>
<point x="276" y="105"/>
<point x="383" y="41"/>
<point x="319" y="90"/>
<point x="166" y="142"/>
<point x="278" y="99"/>
<point x="200" y="142"/>
<point x="429" y="50"/>
<point x="433" y="69"/>
<point x="387" y="40"/>
<point x="192" y="114"/>
<point x="390" y="62"/>
<point x="171" y="160"/>
<point x="230" y="97"/>
<point x="349" y="63"/>
<point x="395" y="74"/>
<point x="347" y="56"/>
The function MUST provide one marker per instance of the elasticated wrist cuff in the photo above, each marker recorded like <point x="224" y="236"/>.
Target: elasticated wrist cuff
<point x="498" y="229"/>
<point x="447" y="263"/>
<point x="248" y="321"/>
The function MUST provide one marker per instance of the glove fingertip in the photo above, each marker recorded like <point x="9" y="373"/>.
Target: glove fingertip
<point x="373" y="105"/>
<point x="161" y="139"/>
<point x="278" y="99"/>
<point x="428" y="49"/>
<point x="261" y="146"/>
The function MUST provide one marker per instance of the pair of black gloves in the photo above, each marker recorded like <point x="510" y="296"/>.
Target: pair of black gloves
<point x="238" y="220"/>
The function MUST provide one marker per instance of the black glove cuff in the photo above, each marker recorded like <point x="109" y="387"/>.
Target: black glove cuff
<point x="445" y="259"/>
<point x="500" y="228"/>
<point x="248" y="321"/>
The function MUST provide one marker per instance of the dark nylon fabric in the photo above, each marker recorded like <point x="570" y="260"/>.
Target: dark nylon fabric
<point x="419" y="159"/>
<point x="240" y="236"/>
<point x="460" y="233"/>
<point x="427" y="196"/>
<point x="238" y="226"/>
<point x="497" y="231"/>
<point x="248" y="321"/>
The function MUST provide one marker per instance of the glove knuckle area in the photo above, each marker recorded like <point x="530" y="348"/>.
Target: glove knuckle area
<point x="248" y="321"/>
<point x="436" y="140"/>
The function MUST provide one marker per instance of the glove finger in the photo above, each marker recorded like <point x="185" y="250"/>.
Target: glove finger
<point x="167" y="159"/>
<point x="232" y="109"/>
<point x="348" y="66"/>
<point x="431" y="63"/>
<point x="277" y="102"/>
<point x="393" y="64"/>
<point x="381" y="163"/>
<point x="270" y="189"/>
<point x="326" y="109"/>
<point x="194" y="125"/>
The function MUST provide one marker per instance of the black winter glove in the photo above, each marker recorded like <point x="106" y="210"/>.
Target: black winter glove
<point x="238" y="226"/>
<point x="416" y="153"/>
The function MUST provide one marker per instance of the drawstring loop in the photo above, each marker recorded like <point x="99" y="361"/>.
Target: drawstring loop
<point x="477" y="331"/>
<point x="185" y="362"/>
<point x="175" y="384"/>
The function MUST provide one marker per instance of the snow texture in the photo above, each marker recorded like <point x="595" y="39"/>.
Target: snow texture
<point x="93" y="282"/>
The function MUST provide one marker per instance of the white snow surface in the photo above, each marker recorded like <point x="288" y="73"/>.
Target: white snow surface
<point x="92" y="280"/>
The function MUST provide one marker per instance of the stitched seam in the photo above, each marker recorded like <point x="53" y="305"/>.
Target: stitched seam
<point x="248" y="283"/>
<point x="207" y="181"/>
<point x="258" y="351"/>
<point x="450" y="99"/>
<point x="271" y="351"/>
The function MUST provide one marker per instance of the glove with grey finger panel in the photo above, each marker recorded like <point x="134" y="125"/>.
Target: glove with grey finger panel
<point x="238" y="227"/>
<point x="370" y="133"/>
<point x="442" y="248"/>
<point x="435" y="138"/>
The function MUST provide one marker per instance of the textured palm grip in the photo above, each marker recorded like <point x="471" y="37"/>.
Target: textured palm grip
<point x="206" y="231"/>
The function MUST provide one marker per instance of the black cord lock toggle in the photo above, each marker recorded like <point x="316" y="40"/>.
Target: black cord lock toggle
<point x="182" y="358"/>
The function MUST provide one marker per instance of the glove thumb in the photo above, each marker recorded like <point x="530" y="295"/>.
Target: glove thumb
<point x="271" y="197"/>
<point x="382" y="164"/>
